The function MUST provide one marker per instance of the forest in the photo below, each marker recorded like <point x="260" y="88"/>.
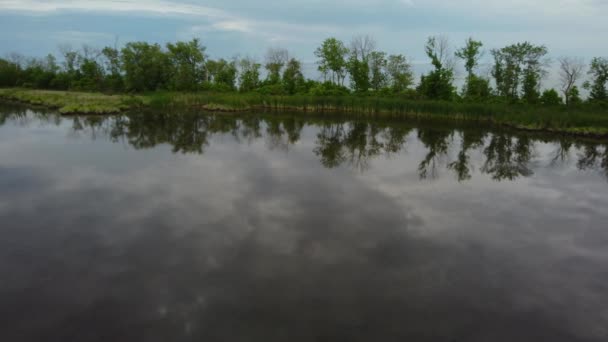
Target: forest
<point x="355" y="69"/>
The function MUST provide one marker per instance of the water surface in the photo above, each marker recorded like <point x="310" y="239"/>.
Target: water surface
<point x="196" y="227"/>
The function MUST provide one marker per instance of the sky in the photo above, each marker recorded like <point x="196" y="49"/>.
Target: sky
<point x="229" y="28"/>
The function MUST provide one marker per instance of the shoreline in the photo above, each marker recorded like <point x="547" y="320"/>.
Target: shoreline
<point x="82" y="103"/>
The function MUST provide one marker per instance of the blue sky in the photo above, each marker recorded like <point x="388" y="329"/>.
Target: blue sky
<point x="244" y="27"/>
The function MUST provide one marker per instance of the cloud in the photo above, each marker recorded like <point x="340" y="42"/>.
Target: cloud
<point x="545" y="7"/>
<point x="125" y="6"/>
<point x="217" y="19"/>
<point x="567" y="27"/>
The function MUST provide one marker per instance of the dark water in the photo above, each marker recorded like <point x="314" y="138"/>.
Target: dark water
<point x="185" y="227"/>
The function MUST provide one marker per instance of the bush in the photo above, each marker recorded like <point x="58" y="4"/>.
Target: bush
<point x="550" y="97"/>
<point x="272" y="89"/>
<point x="328" y="89"/>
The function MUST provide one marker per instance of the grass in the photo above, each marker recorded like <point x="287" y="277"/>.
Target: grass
<point x="582" y="121"/>
<point x="68" y="102"/>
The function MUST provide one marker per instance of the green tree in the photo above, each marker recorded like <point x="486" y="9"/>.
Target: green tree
<point x="146" y="66"/>
<point x="574" y="96"/>
<point x="332" y="60"/>
<point x="250" y="74"/>
<point x="39" y="73"/>
<point x="551" y="97"/>
<point x="90" y="75"/>
<point x="378" y="65"/>
<point x="518" y="66"/>
<point x="399" y="73"/>
<point x="113" y="79"/>
<point x="9" y="73"/>
<point x="470" y="54"/>
<point x="187" y="64"/>
<point x="359" y="74"/>
<point x="293" y="79"/>
<point x="437" y="85"/>
<point x="599" y="71"/>
<point x="531" y="83"/>
<point x="475" y="88"/>
<point x="222" y="73"/>
<point x="276" y="59"/>
<point x="71" y="59"/>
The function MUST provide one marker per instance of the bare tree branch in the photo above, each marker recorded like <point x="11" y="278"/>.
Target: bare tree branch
<point x="570" y="71"/>
<point x="361" y="46"/>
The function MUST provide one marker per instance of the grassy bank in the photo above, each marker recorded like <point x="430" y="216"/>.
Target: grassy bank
<point x="67" y="102"/>
<point x="586" y="120"/>
<point x="583" y="120"/>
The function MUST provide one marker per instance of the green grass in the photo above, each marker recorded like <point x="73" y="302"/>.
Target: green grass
<point x="68" y="102"/>
<point x="582" y="120"/>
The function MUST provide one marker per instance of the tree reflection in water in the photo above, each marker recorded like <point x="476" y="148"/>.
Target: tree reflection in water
<point x="508" y="157"/>
<point x="470" y="140"/>
<point x="593" y="157"/>
<point x="356" y="144"/>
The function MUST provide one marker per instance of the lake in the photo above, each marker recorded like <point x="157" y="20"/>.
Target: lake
<point x="280" y="227"/>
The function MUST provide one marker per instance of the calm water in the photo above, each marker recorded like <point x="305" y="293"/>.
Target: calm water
<point x="193" y="227"/>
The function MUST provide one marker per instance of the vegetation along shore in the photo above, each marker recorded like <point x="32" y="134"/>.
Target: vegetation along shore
<point x="356" y="79"/>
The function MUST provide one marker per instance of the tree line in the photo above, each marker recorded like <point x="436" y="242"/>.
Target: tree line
<point x="358" y="68"/>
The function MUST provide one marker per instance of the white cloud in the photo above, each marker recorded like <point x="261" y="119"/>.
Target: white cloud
<point x="233" y="25"/>
<point x="218" y="20"/>
<point x="526" y="7"/>
<point x="126" y="6"/>
<point x="566" y="26"/>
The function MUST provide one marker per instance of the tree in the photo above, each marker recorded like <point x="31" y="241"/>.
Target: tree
<point x="9" y="73"/>
<point x="276" y="59"/>
<point x="570" y="71"/>
<point x="362" y="46"/>
<point x="90" y="74"/>
<point x="530" y="91"/>
<point x="359" y="74"/>
<point x="439" y="51"/>
<point x="71" y="59"/>
<point x="574" y="96"/>
<point x="551" y="97"/>
<point x="599" y="71"/>
<point x="359" y="64"/>
<point x="378" y="65"/>
<point x="250" y="74"/>
<point x="332" y="60"/>
<point x="113" y="78"/>
<point x="187" y="64"/>
<point x="475" y="88"/>
<point x="293" y="79"/>
<point x="399" y="72"/>
<point x="437" y="85"/>
<point x="222" y="73"/>
<point x="533" y="72"/>
<point x="38" y="73"/>
<point x="470" y="54"/>
<point x="519" y="64"/>
<point x="146" y="66"/>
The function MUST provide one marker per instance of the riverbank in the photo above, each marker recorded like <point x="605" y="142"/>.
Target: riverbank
<point x="580" y="121"/>
<point x="68" y="102"/>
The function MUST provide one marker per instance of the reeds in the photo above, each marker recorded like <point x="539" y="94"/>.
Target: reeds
<point x="583" y="119"/>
